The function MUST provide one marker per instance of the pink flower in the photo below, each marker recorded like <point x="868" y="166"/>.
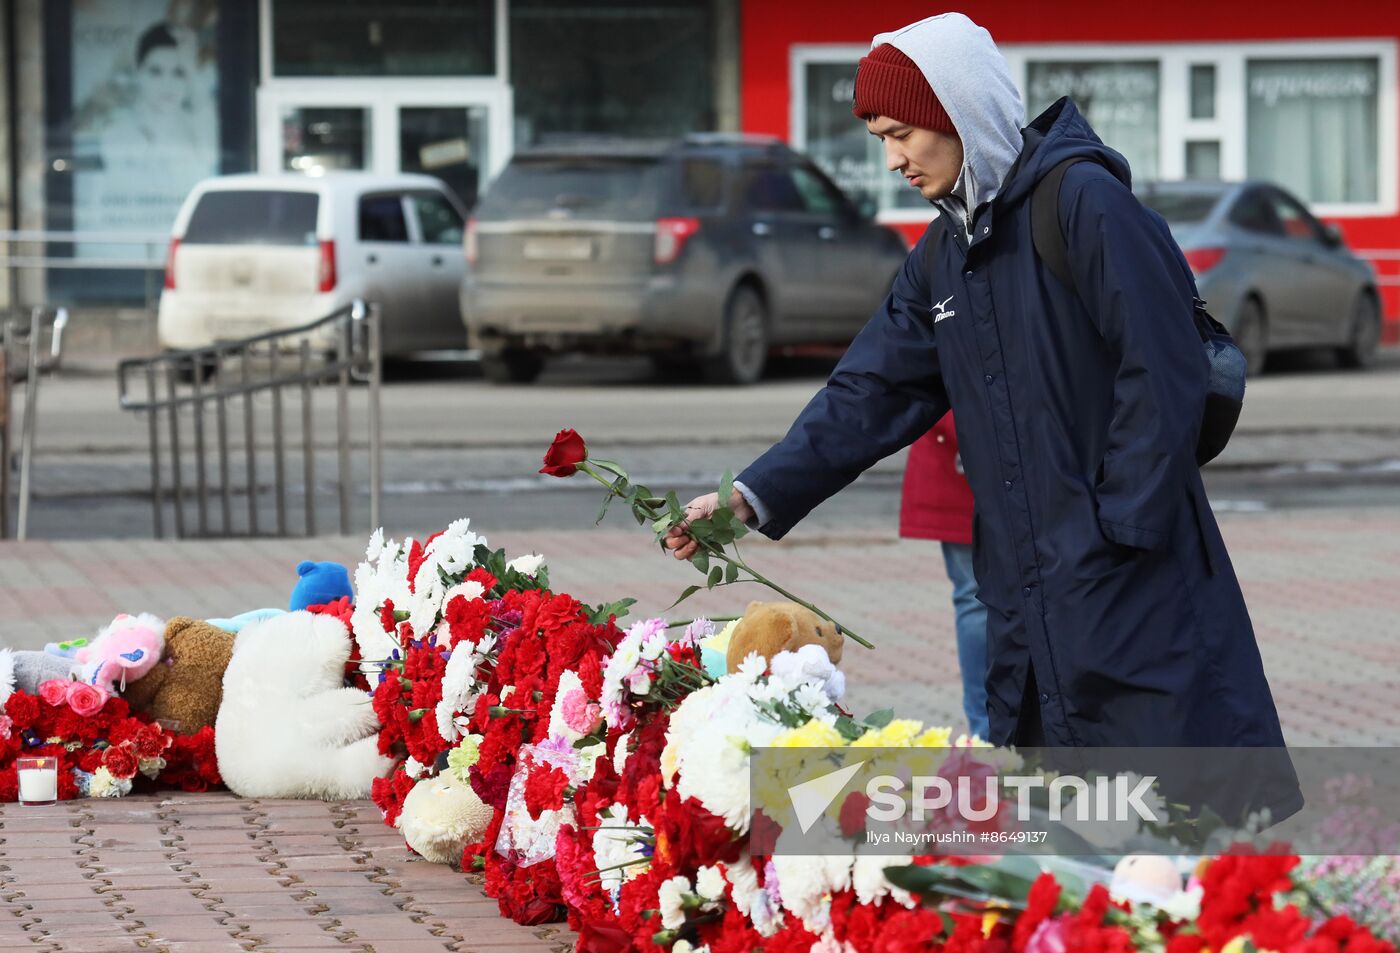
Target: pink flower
<point x="85" y="700"/>
<point x="1052" y="936"/>
<point x="6" y="727"/>
<point x="579" y="713"/>
<point x="55" y="690"/>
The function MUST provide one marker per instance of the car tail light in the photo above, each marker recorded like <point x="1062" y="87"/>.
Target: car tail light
<point x="470" y="244"/>
<point x="671" y="236"/>
<point x="327" y="273"/>
<point x="1203" y="260"/>
<point x="170" y="264"/>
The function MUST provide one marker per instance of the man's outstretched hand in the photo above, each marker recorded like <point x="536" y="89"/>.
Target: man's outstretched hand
<point x="679" y="542"/>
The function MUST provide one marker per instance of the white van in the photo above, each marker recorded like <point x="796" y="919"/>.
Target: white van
<point x="256" y="253"/>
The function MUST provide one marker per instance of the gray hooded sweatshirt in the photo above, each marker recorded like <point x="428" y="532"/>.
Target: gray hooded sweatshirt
<point x="972" y="81"/>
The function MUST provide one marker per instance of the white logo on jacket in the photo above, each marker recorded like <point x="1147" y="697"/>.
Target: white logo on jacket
<point x="940" y="314"/>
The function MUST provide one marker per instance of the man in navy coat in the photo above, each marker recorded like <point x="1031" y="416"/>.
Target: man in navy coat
<point x="1114" y="615"/>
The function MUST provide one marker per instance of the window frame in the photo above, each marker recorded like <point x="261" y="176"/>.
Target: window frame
<point x="1228" y="127"/>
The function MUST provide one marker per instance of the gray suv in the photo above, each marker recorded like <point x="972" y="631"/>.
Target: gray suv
<point x="704" y="253"/>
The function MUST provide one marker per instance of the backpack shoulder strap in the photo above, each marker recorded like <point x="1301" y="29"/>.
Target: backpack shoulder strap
<point x="1046" y="233"/>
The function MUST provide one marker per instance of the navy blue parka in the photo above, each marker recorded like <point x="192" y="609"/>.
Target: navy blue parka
<point x="1107" y="582"/>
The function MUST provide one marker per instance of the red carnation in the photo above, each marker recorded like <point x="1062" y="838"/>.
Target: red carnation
<point x="386" y="615"/>
<point x="852" y="818"/>
<point x="23" y="709"/>
<point x="544" y="791"/>
<point x="564" y="454"/>
<point x="121" y="762"/>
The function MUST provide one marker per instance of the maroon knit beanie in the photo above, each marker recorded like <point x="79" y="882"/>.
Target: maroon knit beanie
<point x="888" y="83"/>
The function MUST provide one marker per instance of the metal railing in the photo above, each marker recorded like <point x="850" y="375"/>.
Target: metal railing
<point x="339" y="349"/>
<point x="23" y="357"/>
<point x="121" y="251"/>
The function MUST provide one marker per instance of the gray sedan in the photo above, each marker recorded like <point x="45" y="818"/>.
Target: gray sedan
<point x="1269" y="271"/>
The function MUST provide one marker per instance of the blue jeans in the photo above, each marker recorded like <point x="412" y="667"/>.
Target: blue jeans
<point x="972" y="635"/>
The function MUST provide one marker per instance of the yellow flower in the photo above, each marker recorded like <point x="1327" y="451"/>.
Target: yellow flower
<point x="815" y="734"/>
<point x="899" y="733"/>
<point x="719" y="642"/>
<point x="1241" y="944"/>
<point x="934" y="738"/>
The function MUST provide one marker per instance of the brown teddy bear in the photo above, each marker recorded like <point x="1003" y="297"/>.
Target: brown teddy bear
<point x="772" y="627"/>
<point x="188" y="683"/>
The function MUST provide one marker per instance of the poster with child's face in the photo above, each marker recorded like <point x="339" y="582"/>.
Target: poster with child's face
<point x="145" y="113"/>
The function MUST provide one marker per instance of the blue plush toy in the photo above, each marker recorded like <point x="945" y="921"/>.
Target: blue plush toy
<point x="319" y="584"/>
<point x="241" y="621"/>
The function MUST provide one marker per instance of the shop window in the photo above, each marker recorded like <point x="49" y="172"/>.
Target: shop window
<point x="1119" y="98"/>
<point x="317" y="140"/>
<point x="1203" y="91"/>
<point x="1203" y="160"/>
<point x="382" y="219"/>
<point x="373" y="38"/>
<point x="629" y="67"/>
<point x="1313" y="126"/>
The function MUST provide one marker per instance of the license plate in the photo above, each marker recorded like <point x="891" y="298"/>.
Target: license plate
<point x="558" y="249"/>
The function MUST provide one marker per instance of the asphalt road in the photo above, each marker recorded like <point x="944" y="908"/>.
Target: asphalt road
<point x="1310" y="436"/>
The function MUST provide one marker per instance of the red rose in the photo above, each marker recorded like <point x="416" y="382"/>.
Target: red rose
<point x="564" y="454"/>
<point x="121" y="762"/>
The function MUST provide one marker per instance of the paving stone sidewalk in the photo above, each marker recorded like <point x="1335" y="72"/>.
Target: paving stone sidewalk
<point x="207" y="873"/>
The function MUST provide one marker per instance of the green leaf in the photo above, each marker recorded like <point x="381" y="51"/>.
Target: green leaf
<point x="607" y="501"/>
<point x="673" y="506"/>
<point x="731" y="572"/>
<point x="603" y="613"/>
<point x="701" y="560"/>
<point x="726" y="488"/>
<point x="881" y="718"/>
<point x="611" y="467"/>
<point x="689" y="591"/>
<point x="716" y="574"/>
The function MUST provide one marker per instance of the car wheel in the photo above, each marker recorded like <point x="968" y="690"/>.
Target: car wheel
<point x="1252" y="336"/>
<point x="1364" y="336"/>
<point x="745" y="350"/>
<point x="512" y="367"/>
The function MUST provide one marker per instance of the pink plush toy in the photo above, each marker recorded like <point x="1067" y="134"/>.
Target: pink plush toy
<point x="122" y="652"/>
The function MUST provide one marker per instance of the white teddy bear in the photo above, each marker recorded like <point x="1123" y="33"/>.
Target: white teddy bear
<point x="288" y="727"/>
<point x="441" y="816"/>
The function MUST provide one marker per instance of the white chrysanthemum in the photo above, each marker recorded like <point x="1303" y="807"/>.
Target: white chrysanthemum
<point x="414" y="768"/>
<point x="621" y="752"/>
<point x="378" y="580"/>
<point x="617" y="851"/>
<point x="751" y="899"/>
<point x="376" y="545"/>
<point x="870" y="883"/>
<point x="558" y="727"/>
<point x="670" y="898"/>
<point x="709" y="883"/>
<point x="806" y="885"/>
<point x="470" y="589"/>
<point x="713" y="731"/>
<point x="526" y="565"/>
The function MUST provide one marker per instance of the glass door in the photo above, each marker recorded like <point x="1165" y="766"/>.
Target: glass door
<point x="458" y="132"/>
<point x="449" y="142"/>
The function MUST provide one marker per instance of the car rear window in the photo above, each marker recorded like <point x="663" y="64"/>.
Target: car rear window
<point x="1181" y="208"/>
<point x="253" y="217"/>
<point x="588" y="187"/>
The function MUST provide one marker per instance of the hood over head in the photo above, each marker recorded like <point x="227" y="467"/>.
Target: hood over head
<point x="973" y="84"/>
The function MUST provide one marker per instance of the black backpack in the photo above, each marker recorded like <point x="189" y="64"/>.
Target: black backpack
<point x="1225" y="390"/>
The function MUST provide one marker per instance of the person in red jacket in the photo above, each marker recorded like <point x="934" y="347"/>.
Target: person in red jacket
<point x="937" y="504"/>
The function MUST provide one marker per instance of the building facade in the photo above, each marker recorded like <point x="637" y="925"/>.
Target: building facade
<point x="117" y="107"/>
<point x="1253" y="89"/>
